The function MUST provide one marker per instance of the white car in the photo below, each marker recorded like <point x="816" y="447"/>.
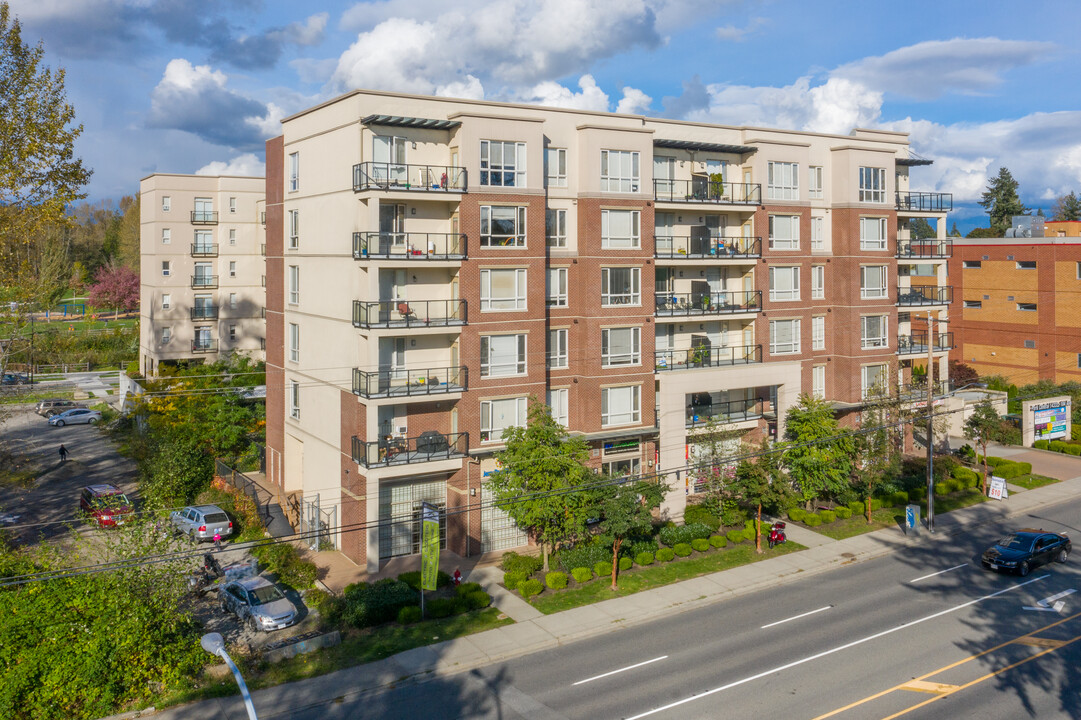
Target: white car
<point x="258" y="603"/>
<point x="200" y="522"/>
<point x="75" y="416"/>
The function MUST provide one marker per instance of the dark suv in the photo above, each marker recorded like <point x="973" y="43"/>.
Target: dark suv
<point x="106" y="504"/>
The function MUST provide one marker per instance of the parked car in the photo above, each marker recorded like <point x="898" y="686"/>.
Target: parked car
<point x="1025" y="549"/>
<point x="258" y="603"/>
<point x="106" y="504"/>
<point x="75" y="416"/>
<point x="15" y="379"/>
<point x="200" y="522"/>
<point x="55" y="406"/>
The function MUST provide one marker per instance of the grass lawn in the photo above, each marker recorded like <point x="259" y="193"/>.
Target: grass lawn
<point x="857" y="524"/>
<point x="1032" y="481"/>
<point x="657" y="575"/>
<point x="21" y="397"/>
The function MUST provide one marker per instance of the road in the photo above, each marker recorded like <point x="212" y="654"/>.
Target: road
<point x="927" y="634"/>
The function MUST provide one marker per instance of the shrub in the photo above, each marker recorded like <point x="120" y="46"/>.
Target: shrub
<point x="666" y="554"/>
<point x="625" y="563"/>
<point x="718" y="541"/>
<point x="700" y="514"/>
<point x="796" y="514"/>
<point x="582" y="574"/>
<point x="330" y="607"/>
<point x="440" y="608"/>
<point x="1056" y="445"/>
<point x="672" y="536"/>
<point x="843" y="512"/>
<point x="371" y="604"/>
<point x="412" y="579"/>
<point x="556" y="580"/>
<point x="700" y="544"/>
<point x="528" y="564"/>
<point x="512" y="580"/>
<point x="857" y="507"/>
<point x="409" y="615"/>
<point x="1010" y="469"/>
<point x="942" y="489"/>
<point x="682" y="549"/>
<point x="284" y="560"/>
<point x="967" y="452"/>
<point x="602" y="568"/>
<point x="967" y="476"/>
<point x="900" y="498"/>
<point x="644" y="558"/>
<point x="465" y="588"/>
<point x="529" y="588"/>
<point x="1073" y="449"/>
<point x="734" y="536"/>
<point x="1041" y="444"/>
<point x="953" y="484"/>
<point x="876" y="504"/>
<point x="478" y="600"/>
<point x="583" y="555"/>
<point x="812" y="520"/>
<point x="827" y="516"/>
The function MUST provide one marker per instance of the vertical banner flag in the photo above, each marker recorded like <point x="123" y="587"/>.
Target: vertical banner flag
<point x="429" y="546"/>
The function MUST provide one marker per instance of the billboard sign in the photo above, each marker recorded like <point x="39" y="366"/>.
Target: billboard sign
<point x="1049" y="420"/>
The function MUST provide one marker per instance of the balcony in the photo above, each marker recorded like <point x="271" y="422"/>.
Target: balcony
<point x="409" y="246"/>
<point x="427" y="447"/>
<point x="205" y="250"/>
<point x="706" y="357"/>
<point x="707" y="303"/>
<point x="931" y="202"/>
<point x="692" y="247"/>
<point x="724" y="412"/>
<point x="700" y="189"/>
<point x="402" y="383"/>
<point x="262" y="249"/>
<point x="204" y="312"/>
<point x="411" y="178"/>
<point x="204" y="346"/>
<point x="916" y="343"/>
<point x="924" y="295"/>
<point x="928" y="249"/>
<point x="407" y="314"/>
<point x="204" y="217"/>
<point x="204" y="282"/>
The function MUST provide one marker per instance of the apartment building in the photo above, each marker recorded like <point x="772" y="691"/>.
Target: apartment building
<point x="202" y="270"/>
<point x="1016" y="310"/>
<point x="646" y="278"/>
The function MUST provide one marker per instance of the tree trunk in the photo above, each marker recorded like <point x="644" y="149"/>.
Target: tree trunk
<point x="758" y="530"/>
<point x="868" y="508"/>
<point x="544" y="553"/>
<point x="615" y="559"/>
<point x="985" y="469"/>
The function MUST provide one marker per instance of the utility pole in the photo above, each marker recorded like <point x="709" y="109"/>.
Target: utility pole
<point x="930" y="422"/>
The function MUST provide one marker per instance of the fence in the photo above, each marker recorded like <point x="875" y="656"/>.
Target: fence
<point x="249" y="487"/>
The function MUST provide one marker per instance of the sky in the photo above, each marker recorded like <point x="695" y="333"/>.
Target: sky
<point x="198" y="85"/>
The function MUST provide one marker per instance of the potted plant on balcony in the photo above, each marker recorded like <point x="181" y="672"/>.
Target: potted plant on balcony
<point x="716" y="185"/>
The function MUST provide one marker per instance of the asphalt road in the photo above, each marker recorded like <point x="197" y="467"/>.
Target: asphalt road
<point x="885" y="638"/>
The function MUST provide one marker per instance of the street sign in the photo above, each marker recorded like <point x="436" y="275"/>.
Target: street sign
<point x="997" y="488"/>
<point x="429" y="546"/>
<point x="1055" y="603"/>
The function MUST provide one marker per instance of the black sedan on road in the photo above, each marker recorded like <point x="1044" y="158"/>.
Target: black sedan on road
<point x="1023" y="550"/>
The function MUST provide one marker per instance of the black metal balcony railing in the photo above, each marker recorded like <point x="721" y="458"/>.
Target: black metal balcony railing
<point x="204" y="346"/>
<point x="421" y="178"/>
<point x="394" y="383"/>
<point x="408" y="313"/>
<point x="409" y="246"/>
<point x="708" y="303"/>
<point x="204" y="217"/>
<point x="426" y="447"/>
<point x="929" y="248"/>
<point x="262" y="249"/>
<point x="925" y="295"/>
<point x="925" y="201"/>
<point x="204" y="282"/>
<point x="703" y="190"/>
<point x="916" y="343"/>
<point x="723" y="412"/>
<point x="702" y="357"/>
<point x="204" y="250"/>
<point x="714" y="248"/>
<point x="204" y="312"/>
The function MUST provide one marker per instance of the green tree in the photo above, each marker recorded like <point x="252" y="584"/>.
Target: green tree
<point x="983" y="233"/>
<point x="761" y="484"/>
<point x="1002" y="202"/>
<point x="540" y="482"/>
<point x="954" y="232"/>
<point x="819" y="456"/>
<point x="980" y="428"/>
<point x="1067" y="207"/>
<point x="920" y="229"/>
<point x="627" y="509"/>
<point x="878" y="444"/>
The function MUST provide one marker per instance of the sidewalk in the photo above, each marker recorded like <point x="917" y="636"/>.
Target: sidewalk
<point x="541" y="632"/>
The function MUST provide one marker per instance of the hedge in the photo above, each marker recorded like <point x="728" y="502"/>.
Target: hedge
<point x="582" y="574"/>
<point x="1042" y="444"/>
<point x="285" y="561"/>
<point x="1010" y="469"/>
<point x="718" y="541"/>
<point x="625" y="563"/>
<point x="528" y="564"/>
<point x="682" y="549"/>
<point x="700" y="544"/>
<point x="466" y="588"/>
<point x="666" y="554"/>
<point x="529" y="588"/>
<point x="602" y="568"/>
<point x="412" y="579"/>
<point x="367" y="604"/>
<point x="441" y="608"/>
<point x="827" y="516"/>
<point x="900" y="498"/>
<point x="857" y="507"/>
<point x="842" y="512"/>
<point x="876" y="504"/>
<point x="812" y="520"/>
<point x="734" y="536"/>
<point x="700" y="514"/>
<point x="969" y="477"/>
<point x="796" y="514"/>
<point x="512" y="580"/>
<point x="478" y="599"/>
<point x="942" y="489"/>
<point x="556" y="580"/>
<point x="409" y="614"/>
<point x="644" y="558"/>
<point x="1073" y="449"/>
<point x="583" y="555"/>
<point x="674" y="535"/>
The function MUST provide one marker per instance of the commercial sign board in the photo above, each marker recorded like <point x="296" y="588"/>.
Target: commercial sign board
<point x="1049" y="420"/>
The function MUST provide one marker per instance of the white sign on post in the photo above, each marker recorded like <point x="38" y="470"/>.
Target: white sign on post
<point x="997" y="489"/>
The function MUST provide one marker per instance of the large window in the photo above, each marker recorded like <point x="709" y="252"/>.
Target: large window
<point x="294" y="400"/>
<point x="818" y="282"/>
<point x="814" y="182"/>
<point x="872" y="184"/>
<point x="782" y="182"/>
<point x="204" y="241"/>
<point x="874" y="378"/>
<point x="555" y="167"/>
<point x="818" y="381"/>
<point x="555" y="228"/>
<point x="502" y="226"/>
<point x="556" y="287"/>
<point x="873" y="282"/>
<point x="294" y="284"/>
<point x="818" y="233"/>
<point x="784" y="283"/>
<point x="557" y="349"/>
<point x="784" y="337"/>
<point x="557" y="401"/>
<point x="503" y="289"/>
<point x="872" y="233"/>
<point x="621" y="286"/>
<point x="294" y="172"/>
<point x="619" y="171"/>
<point x="621" y="405"/>
<point x="621" y="346"/>
<point x="502" y="355"/>
<point x="784" y="232"/>
<point x="294" y="342"/>
<point x="294" y="229"/>
<point x="498" y="415"/>
<point x="818" y="332"/>
<point x="621" y="229"/>
<point x="873" y="331"/>
<point x="502" y="163"/>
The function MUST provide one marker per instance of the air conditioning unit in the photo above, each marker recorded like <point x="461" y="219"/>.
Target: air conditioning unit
<point x="401" y="429"/>
<point x="1026" y="226"/>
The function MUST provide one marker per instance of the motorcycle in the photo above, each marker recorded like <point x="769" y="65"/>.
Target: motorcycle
<point x="207" y="576"/>
<point x="776" y="534"/>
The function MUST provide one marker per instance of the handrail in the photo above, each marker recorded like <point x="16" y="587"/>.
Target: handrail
<point x="402" y="176"/>
<point x="703" y="190"/>
<point x="409" y="313"/>
<point x="924" y="201"/>
<point x="730" y="411"/>
<point x="925" y="248"/>
<point x="708" y="303"/>
<point x="425" y="381"/>
<point x="409" y="246"/>
<point x="701" y="357"/>
<point x="426" y="447"/>
<point x="702" y="246"/>
<point x="925" y="295"/>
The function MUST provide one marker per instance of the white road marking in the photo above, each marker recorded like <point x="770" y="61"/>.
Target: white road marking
<point x="955" y="567"/>
<point x="797" y="617"/>
<point x="629" y="667"/>
<point x="831" y="651"/>
<point x="1048" y="604"/>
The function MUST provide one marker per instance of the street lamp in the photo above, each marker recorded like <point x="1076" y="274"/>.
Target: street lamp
<point x="215" y="645"/>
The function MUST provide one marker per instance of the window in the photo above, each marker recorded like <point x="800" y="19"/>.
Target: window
<point x="166" y="301"/>
<point x="818" y="232"/>
<point x="621" y="405"/>
<point x="502" y="289"/>
<point x="872" y="184"/>
<point x="294" y="172"/>
<point x="818" y="282"/>
<point x="555" y="167"/>
<point x="166" y="203"/>
<point x="556" y="287"/>
<point x="232" y="333"/>
<point x="498" y="415"/>
<point x="619" y="171"/>
<point x="621" y="346"/>
<point x="294" y="229"/>
<point x="1079" y="271"/>
<point x="502" y="164"/>
<point x="166" y="236"/>
<point x="973" y="304"/>
<point x="294" y="342"/>
<point x="629" y="467"/>
<point x="555" y="228"/>
<point x="784" y="283"/>
<point x="232" y="236"/>
<point x="873" y="331"/>
<point x="232" y="205"/>
<point x="1026" y="264"/>
<point x="502" y="355"/>
<point x="232" y="301"/>
<point x="621" y="286"/>
<point x="784" y="337"/>
<point x="818" y="332"/>
<point x="818" y="381"/>
<point x="620" y="229"/>
<point x="873" y="281"/>
<point x="557" y="401"/>
<point x="814" y="182"/>
<point x="782" y="181"/>
<point x="557" y="349"/>
<point x="784" y="232"/>
<point x="1079" y="360"/>
<point x="232" y="268"/>
<point x="294" y="284"/>
<point x="166" y="335"/>
<point x="977" y="264"/>
<point x="165" y="268"/>
<point x="1026" y="307"/>
<point x="294" y="400"/>
<point x="502" y="226"/>
<point x="1030" y="344"/>
<point x="873" y="233"/>
<point x="874" y="378"/>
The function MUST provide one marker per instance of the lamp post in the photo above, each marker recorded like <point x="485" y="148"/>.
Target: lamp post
<point x="215" y="645"/>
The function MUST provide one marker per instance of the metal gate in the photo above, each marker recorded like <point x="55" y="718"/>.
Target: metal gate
<point x="318" y="524"/>
<point x="497" y="530"/>
<point x="399" y="516"/>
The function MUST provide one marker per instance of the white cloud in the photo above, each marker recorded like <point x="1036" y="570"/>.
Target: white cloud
<point x="634" y="102"/>
<point x="247" y="165"/>
<point x="310" y="32"/>
<point x="738" y="34"/>
<point x="553" y="94"/>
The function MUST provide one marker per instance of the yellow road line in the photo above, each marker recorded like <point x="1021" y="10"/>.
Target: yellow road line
<point x="928" y="687"/>
<point x="1039" y="642"/>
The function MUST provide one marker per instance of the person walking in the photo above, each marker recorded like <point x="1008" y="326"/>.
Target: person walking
<point x="217" y="540"/>
<point x="63" y="453"/>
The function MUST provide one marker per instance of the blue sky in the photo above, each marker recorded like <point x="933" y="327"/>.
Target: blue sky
<point x="196" y="86"/>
